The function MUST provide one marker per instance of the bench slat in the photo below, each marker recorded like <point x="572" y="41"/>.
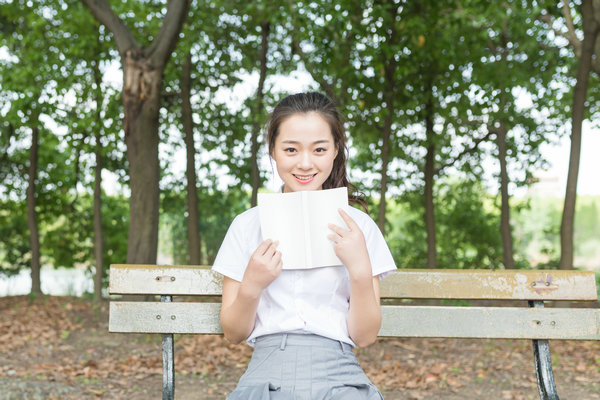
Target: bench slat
<point x="491" y="322"/>
<point x="490" y="285"/>
<point x="164" y="280"/>
<point x="407" y="284"/>
<point x="400" y="321"/>
<point x="151" y="317"/>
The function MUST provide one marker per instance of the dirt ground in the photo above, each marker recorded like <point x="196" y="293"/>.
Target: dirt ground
<point x="59" y="348"/>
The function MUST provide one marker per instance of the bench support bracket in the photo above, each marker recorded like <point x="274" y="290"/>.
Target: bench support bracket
<point x="168" y="350"/>
<point x="543" y="364"/>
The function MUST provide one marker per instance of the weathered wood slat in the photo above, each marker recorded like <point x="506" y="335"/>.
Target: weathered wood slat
<point x="164" y="280"/>
<point x="490" y="284"/>
<point x="401" y="321"/>
<point x="412" y="284"/>
<point x="150" y="317"/>
<point x="491" y="322"/>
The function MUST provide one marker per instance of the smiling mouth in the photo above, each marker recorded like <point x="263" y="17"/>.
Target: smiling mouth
<point x="304" y="178"/>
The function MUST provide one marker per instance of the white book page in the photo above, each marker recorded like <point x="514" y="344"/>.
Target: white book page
<point x="299" y="221"/>
<point x="323" y="206"/>
<point x="281" y="218"/>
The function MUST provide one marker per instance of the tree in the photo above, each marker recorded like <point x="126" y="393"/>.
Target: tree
<point x="450" y="117"/>
<point x="30" y="85"/>
<point x="193" y="223"/>
<point x="228" y="44"/>
<point x="351" y="50"/>
<point x="89" y="121"/>
<point x="256" y="32"/>
<point x="503" y="75"/>
<point x="143" y="68"/>
<point x="265" y="27"/>
<point x="586" y="51"/>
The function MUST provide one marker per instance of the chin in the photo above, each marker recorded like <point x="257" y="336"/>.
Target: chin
<point x="299" y="187"/>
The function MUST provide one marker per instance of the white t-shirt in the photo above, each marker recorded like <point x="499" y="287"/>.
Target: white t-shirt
<point x="300" y="301"/>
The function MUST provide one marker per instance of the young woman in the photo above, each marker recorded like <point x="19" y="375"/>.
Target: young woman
<point x="303" y="324"/>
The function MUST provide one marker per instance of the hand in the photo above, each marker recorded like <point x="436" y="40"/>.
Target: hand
<point x="264" y="266"/>
<point x="350" y="247"/>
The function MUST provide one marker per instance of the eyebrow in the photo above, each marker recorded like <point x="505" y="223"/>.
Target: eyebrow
<point x="291" y="141"/>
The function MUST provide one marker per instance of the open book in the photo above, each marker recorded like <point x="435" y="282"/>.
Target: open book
<point x="299" y="220"/>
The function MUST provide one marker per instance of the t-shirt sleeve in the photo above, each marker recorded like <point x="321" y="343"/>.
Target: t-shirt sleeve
<point x="232" y="258"/>
<point x="382" y="262"/>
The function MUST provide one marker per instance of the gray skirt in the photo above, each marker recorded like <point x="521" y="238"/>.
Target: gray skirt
<point x="303" y="367"/>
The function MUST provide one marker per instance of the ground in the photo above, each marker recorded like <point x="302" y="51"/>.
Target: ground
<point x="60" y="348"/>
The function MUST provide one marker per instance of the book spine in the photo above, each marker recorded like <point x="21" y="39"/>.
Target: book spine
<point x="308" y="261"/>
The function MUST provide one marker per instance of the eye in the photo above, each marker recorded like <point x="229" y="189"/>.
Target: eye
<point x="320" y="150"/>
<point x="289" y="150"/>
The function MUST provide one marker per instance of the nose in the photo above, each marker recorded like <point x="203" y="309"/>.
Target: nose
<point x="305" y="160"/>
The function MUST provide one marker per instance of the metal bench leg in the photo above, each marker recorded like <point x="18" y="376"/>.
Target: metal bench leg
<point x="543" y="365"/>
<point x="168" y="351"/>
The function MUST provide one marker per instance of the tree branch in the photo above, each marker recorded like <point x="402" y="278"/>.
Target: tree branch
<point x="466" y="150"/>
<point x="575" y="42"/>
<point x="595" y="61"/>
<point x="164" y="43"/>
<point x="4" y="157"/>
<point x="570" y="34"/>
<point x="326" y="86"/>
<point x="101" y="10"/>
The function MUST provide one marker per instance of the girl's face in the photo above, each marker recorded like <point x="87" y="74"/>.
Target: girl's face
<point x="304" y="151"/>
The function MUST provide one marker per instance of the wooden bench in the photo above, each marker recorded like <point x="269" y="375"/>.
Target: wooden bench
<point x="531" y="321"/>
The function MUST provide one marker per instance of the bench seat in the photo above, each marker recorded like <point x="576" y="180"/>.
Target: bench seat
<point x="532" y="288"/>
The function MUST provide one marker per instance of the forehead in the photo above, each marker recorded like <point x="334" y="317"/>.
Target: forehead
<point x="305" y="127"/>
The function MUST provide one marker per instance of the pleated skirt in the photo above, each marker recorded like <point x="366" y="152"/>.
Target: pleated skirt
<point x="303" y="367"/>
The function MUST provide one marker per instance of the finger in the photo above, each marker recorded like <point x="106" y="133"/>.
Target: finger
<point x="272" y="249"/>
<point x="337" y="229"/>
<point x="333" y="238"/>
<point x="277" y="262"/>
<point x="347" y="219"/>
<point x="262" y="248"/>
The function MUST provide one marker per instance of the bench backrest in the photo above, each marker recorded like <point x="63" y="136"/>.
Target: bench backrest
<point x="403" y="320"/>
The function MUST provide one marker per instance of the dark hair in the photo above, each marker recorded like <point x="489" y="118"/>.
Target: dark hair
<point x="302" y="103"/>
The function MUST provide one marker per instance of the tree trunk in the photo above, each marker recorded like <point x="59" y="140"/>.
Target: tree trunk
<point x="596" y="57"/>
<point x="255" y="174"/>
<point x="505" y="231"/>
<point x="501" y="134"/>
<point x="98" y="235"/>
<point x="193" y="224"/>
<point x="385" y="161"/>
<point x="389" y="94"/>
<point x="429" y="182"/>
<point x="142" y="82"/>
<point x="34" y="235"/>
<point x="141" y="98"/>
<point x="590" y="32"/>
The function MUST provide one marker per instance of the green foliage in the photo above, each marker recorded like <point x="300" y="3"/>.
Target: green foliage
<point x="66" y="239"/>
<point x="69" y="241"/>
<point x="462" y="67"/>
<point x="467" y="230"/>
<point x="537" y="231"/>
<point x="468" y="235"/>
<point x="217" y="211"/>
<point x="14" y="247"/>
